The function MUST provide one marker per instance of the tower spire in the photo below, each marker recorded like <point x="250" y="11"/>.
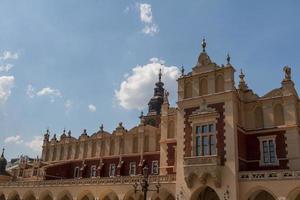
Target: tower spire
<point x="203" y="44"/>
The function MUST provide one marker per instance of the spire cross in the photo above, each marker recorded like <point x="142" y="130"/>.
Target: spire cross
<point x="159" y="75"/>
<point x="203" y="44"/>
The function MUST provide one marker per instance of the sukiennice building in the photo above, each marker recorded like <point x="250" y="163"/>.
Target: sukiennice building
<point x="221" y="142"/>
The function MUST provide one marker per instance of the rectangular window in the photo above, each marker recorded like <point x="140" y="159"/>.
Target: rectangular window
<point x="112" y="170"/>
<point x="268" y="151"/>
<point x="132" y="168"/>
<point x="93" y="171"/>
<point x="155" y="167"/>
<point x="76" y="172"/>
<point x="205" y="140"/>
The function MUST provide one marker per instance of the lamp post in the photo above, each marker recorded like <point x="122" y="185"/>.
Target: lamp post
<point x="144" y="184"/>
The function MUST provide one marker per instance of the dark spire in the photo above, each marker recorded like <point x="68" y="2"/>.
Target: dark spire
<point x="157" y="100"/>
<point x="203" y="44"/>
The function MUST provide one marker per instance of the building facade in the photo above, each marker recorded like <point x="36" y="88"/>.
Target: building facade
<point x="221" y="142"/>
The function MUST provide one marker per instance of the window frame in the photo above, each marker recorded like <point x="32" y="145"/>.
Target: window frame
<point x="155" y="163"/>
<point x="199" y="136"/>
<point x="76" y="172"/>
<point x="268" y="139"/>
<point x="93" y="170"/>
<point x="110" y="170"/>
<point x="131" y="164"/>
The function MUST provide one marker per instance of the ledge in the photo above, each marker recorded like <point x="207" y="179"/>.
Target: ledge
<point x="269" y="175"/>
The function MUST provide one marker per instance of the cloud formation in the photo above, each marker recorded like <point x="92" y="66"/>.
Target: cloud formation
<point x="92" y="108"/>
<point x="47" y="91"/>
<point x="14" y="139"/>
<point x="137" y="88"/>
<point x="35" y="144"/>
<point x="6" y="67"/>
<point x="8" y="55"/>
<point x="6" y="85"/>
<point x="146" y="17"/>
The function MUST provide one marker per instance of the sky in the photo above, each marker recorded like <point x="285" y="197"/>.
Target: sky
<point x="75" y="64"/>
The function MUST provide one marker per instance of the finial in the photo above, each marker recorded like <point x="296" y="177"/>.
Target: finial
<point x="2" y="155"/>
<point x="101" y="128"/>
<point x="84" y="132"/>
<point x="203" y="44"/>
<point x="69" y="133"/>
<point x="182" y="70"/>
<point x="64" y="131"/>
<point x="228" y="59"/>
<point x="242" y="76"/>
<point x="142" y="115"/>
<point x="120" y="124"/>
<point x="288" y="73"/>
<point x="159" y="75"/>
<point x="47" y="131"/>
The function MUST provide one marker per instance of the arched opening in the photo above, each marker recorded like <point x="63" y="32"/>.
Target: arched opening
<point x="46" y="195"/>
<point x="206" y="193"/>
<point x="131" y="195"/>
<point x="65" y="195"/>
<point x="171" y="129"/>
<point x="109" y="195"/>
<point x="278" y="115"/>
<point x="13" y="196"/>
<point x="259" y="117"/>
<point x="203" y="87"/>
<point x="219" y="83"/>
<point x="261" y="195"/>
<point x="2" y="197"/>
<point x="29" y="196"/>
<point x="188" y="90"/>
<point x="86" y="195"/>
<point x="163" y="194"/>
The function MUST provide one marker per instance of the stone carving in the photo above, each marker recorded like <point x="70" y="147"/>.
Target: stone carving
<point x="288" y="73"/>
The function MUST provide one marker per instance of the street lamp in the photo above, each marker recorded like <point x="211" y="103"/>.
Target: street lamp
<point x="145" y="184"/>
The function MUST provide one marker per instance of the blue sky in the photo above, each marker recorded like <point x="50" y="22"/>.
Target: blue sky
<point x="63" y="62"/>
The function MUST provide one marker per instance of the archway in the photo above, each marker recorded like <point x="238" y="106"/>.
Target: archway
<point x="131" y="195"/>
<point x="108" y="195"/>
<point x="2" y="197"/>
<point x="163" y="194"/>
<point x="261" y="195"/>
<point x="64" y="195"/>
<point x="29" y="196"/>
<point x="206" y="193"/>
<point x="85" y="195"/>
<point x="46" y="195"/>
<point x="13" y="196"/>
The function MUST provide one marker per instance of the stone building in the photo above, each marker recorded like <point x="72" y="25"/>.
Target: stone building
<point x="221" y="142"/>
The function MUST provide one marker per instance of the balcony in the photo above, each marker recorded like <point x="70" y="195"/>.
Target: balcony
<point x="202" y="168"/>
<point x="90" y="181"/>
<point x="269" y="175"/>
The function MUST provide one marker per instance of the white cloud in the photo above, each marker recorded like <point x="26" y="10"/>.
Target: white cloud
<point x="92" y="108"/>
<point x="146" y="17"/>
<point x="6" y="85"/>
<point x="48" y="91"/>
<point x="6" y="67"/>
<point x="14" y="139"/>
<point x="35" y="144"/>
<point x="6" y="55"/>
<point x="137" y="89"/>
<point x="30" y="91"/>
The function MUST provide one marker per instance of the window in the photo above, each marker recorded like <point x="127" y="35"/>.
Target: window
<point x="203" y="87"/>
<point x="154" y="169"/>
<point x="132" y="168"/>
<point x="188" y="90"/>
<point x="76" y="172"/>
<point x="34" y="172"/>
<point x="268" y="151"/>
<point x="259" y="117"/>
<point x="93" y="171"/>
<point x="278" y="115"/>
<point x="135" y="144"/>
<point x="205" y="140"/>
<point x="219" y="83"/>
<point x="112" y="170"/>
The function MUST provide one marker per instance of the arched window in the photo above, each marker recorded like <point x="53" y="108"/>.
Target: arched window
<point x="171" y="129"/>
<point x="203" y="87"/>
<point x="278" y="115"/>
<point x="259" y="117"/>
<point x="219" y="83"/>
<point x="94" y="148"/>
<point x="188" y="90"/>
